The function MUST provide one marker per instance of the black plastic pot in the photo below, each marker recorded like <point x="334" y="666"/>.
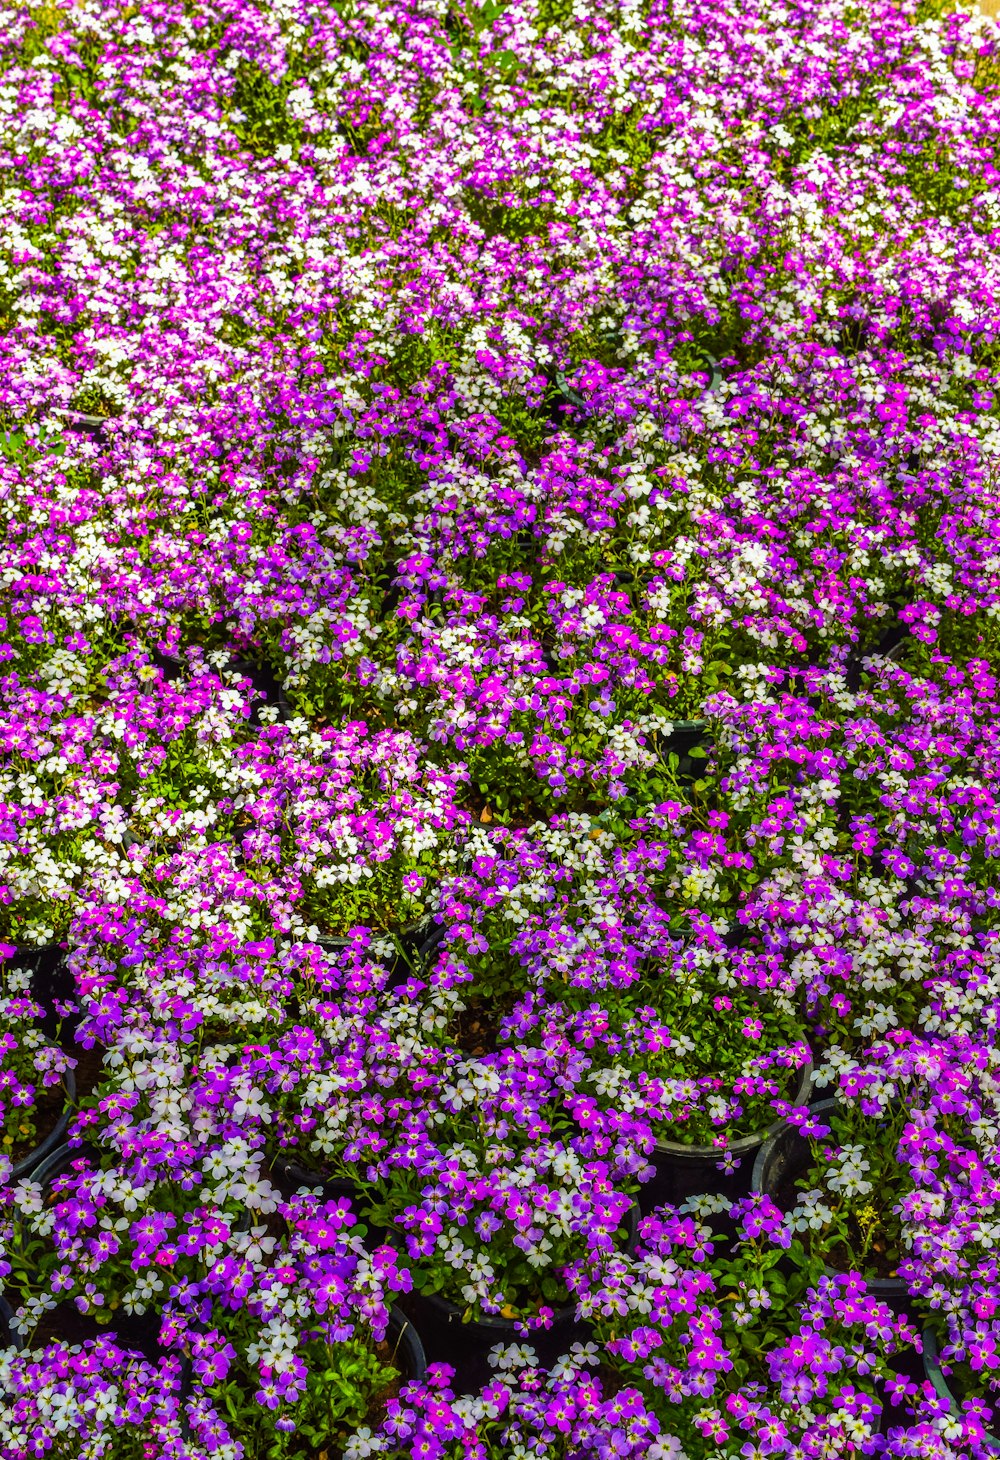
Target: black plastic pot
<point x="332" y="945"/>
<point x="684" y="1170"/>
<point x="683" y="734"/>
<point x="136" y="1332"/>
<point x="410" y="1358"/>
<point x="8" y="1338"/>
<point x="412" y="946"/>
<point x="261" y="677"/>
<point x="31" y="1164"/>
<point x="490" y="1328"/>
<point x="59" y="1159"/>
<point x="387" y="584"/>
<point x="171" y="666"/>
<point x="79" y="421"/>
<point x="785" y="1157"/>
<point x="290" y="1176"/>
<point x="417" y="944"/>
<point x="52" y="983"/>
<point x="466" y="1346"/>
<point x="559" y="394"/>
<point x="684" y="737"/>
<point x="411" y="943"/>
<point x="852" y="337"/>
<point x="631" y="578"/>
<point x="907" y="1364"/>
<point x="990" y="1444"/>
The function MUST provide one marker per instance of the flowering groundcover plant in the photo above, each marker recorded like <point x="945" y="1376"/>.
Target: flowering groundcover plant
<point x="498" y="681"/>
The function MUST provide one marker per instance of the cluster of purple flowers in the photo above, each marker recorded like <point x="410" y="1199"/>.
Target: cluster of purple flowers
<point x="499" y="730"/>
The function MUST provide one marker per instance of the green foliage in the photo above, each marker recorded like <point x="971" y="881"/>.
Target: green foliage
<point x="45" y="22"/>
<point x="826" y="128"/>
<point x="17" y="445"/>
<point x="413" y="355"/>
<point x="933" y="177"/>
<point x="466" y="22"/>
<point x="343" y="1386"/>
<point x="863" y="1231"/>
<point x="750" y="1277"/>
<point x="554" y="12"/>
<point x="265" y="123"/>
<point x="961" y="638"/>
<point x="621" y="134"/>
<point x="938" y="9"/>
<point x="19" y="1123"/>
<point x="725" y="336"/>
<point x="706" y="1024"/>
<point x="499" y="218"/>
<point x="379" y="901"/>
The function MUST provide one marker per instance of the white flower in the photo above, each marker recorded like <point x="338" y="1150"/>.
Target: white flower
<point x="512" y="1356"/>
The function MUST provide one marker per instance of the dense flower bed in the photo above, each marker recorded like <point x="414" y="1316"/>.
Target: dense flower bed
<point x="499" y="730"/>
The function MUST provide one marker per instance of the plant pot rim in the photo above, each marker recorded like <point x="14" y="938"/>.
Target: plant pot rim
<point x="932" y="1369"/>
<point x="493" y="1321"/>
<point x="333" y="942"/>
<point x="757" y="1177"/>
<point x="14" y="1340"/>
<point x="879" y="1287"/>
<point x="567" y="1313"/>
<point x="49" y="1166"/>
<point x="743" y="1144"/>
<point x="332" y="1188"/>
<point x="662" y="735"/>
<point x="408" y="1341"/>
<point x="29" y="1164"/>
<point x="290" y="1169"/>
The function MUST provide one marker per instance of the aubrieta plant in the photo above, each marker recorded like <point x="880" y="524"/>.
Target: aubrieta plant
<point x="498" y="688"/>
<point x="32" y="1068"/>
<point x="489" y="1174"/>
<point x="92" y="1401"/>
<point x="293" y="1349"/>
<point x="703" y="1034"/>
<point x="752" y="1341"/>
<point x="355" y="826"/>
<point x="950" y="1222"/>
<point x="710" y="1075"/>
<point x="169" y="1184"/>
<point x="855" y="1187"/>
<point x="524" y="1411"/>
